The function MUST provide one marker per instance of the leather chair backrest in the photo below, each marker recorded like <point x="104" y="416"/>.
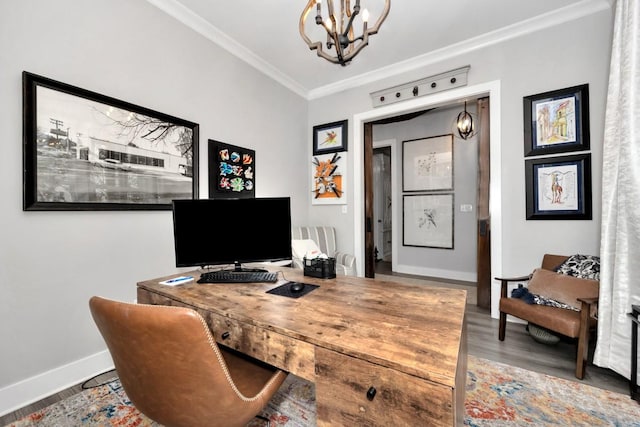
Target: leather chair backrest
<point x="170" y="365"/>
<point x="550" y="262"/>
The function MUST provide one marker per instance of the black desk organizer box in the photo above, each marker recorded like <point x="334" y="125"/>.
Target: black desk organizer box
<point x="323" y="268"/>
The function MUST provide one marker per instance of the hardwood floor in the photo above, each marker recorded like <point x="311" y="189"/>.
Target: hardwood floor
<point x="518" y="349"/>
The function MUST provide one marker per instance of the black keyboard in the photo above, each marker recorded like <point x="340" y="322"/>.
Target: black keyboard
<point x="222" y="276"/>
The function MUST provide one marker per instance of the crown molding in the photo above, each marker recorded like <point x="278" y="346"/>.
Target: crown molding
<point x="186" y="16"/>
<point x="532" y="25"/>
<point x="568" y="13"/>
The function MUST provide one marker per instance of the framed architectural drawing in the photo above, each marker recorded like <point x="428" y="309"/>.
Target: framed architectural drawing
<point x="86" y="151"/>
<point x="328" y="179"/>
<point x="559" y="187"/>
<point x="427" y="164"/>
<point x="232" y="171"/>
<point x="427" y="220"/>
<point x="557" y="121"/>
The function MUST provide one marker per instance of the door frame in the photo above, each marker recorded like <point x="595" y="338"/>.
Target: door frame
<point x="490" y="89"/>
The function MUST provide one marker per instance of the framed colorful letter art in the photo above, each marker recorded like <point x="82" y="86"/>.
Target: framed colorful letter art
<point x="328" y="181"/>
<point x="231" y="171"/>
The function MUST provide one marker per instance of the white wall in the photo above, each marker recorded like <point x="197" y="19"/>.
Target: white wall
<point x="52" y="262"/>
<point x="458" y="263"/>
<point x="565" y="55"/>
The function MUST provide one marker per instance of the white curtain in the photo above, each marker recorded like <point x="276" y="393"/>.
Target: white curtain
<point x="620" y="234"/>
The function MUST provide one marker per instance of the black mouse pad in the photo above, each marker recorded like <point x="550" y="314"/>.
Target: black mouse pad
<point x="285" y="290"/>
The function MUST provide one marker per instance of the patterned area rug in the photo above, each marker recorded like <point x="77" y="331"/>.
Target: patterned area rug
<point x="497" y="395"/>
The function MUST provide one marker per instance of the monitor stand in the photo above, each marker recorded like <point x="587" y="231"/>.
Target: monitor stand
<point x="239" y="269"/>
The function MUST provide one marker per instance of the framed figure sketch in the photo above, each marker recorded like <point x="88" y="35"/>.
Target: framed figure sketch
<point x="559" y="187"/>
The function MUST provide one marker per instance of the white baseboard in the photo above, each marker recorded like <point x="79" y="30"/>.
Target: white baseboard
<point x="30" y="390"/>
<point x="435" y="272"/>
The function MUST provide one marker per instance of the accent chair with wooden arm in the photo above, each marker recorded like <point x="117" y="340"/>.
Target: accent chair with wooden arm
<point x="577" y="292"/>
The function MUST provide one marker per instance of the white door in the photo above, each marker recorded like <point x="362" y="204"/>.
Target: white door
<point x="382" y="203"/>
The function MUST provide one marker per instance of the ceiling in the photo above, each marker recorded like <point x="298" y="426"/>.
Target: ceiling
<point x="265" y="34"/>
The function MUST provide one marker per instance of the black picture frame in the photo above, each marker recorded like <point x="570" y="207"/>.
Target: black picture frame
<point x="427" y="164"/>
<point x="557" y="121"/>
<point x="428" y="220"/>
<point x="559" y="188"/>
<point x="330" y="137"/>
<point x="86" y="151"/>
<point x="231" y="171"/>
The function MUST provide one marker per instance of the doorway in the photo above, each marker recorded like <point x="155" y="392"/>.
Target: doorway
<point x="382" y="208"/>
<point x="362" y="213"/>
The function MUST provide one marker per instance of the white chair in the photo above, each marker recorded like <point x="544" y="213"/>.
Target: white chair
<point x="325" y="242"/>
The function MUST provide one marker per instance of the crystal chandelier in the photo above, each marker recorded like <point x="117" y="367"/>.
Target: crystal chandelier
<point x="339" y="29"/>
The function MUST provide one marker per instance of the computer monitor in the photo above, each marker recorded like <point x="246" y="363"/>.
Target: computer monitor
<point x="231" y="231"/>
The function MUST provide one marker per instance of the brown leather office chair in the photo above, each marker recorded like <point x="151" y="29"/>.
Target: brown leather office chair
<point x="173" y="371"/>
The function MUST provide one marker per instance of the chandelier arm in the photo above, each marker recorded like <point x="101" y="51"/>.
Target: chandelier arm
<point x="374" y="29"/>
<point x="358" y="48"/>
<point x="345" y="47"/>
<point x="355" y="13"/>
<point x="303" y="19"/>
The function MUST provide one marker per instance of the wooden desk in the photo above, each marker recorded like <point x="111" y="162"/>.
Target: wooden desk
<point x="347" y="336"/>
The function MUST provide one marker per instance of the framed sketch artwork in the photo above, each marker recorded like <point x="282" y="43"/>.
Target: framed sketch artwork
<point x="86" y="151"/>
<point x="427" y="220"/>
<point x="559" y="187"/>
<point x="427" y="164"/>
<point x="557" y="121"/>
<point x="330" y="137"/>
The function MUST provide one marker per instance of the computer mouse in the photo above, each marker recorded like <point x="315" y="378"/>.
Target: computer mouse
<point x="296" y="287"/>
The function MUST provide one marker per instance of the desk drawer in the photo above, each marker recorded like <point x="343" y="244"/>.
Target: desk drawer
<point x="284" y="352"/>
<point x="342" y="385"/>
<point x="278" y="350"/>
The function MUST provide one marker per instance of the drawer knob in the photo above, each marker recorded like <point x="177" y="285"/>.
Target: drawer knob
<point x="225" y="335"/>
<point x="371" y="393"/>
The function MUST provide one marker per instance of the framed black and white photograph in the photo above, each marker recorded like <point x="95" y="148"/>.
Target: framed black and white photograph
<point x="427" y="220"/>
<point x="330" y="138"/>
<point x="232" y="171"/>
<point x="87" y="151"/>
<point x="559" y="187"/>
<point x="557" y="121"/>
<point x="427" y="164"/>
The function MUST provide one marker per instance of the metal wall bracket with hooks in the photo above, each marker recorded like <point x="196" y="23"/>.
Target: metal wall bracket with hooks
<point x="427" y="86"/>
